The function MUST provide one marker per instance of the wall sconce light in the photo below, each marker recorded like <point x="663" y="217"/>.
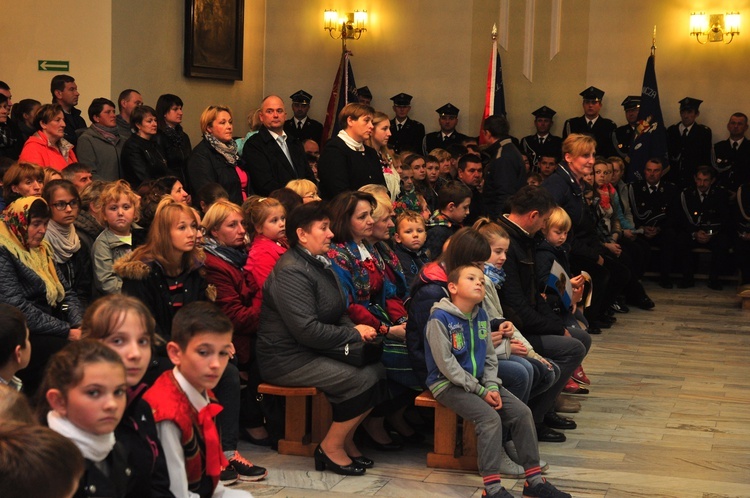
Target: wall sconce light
<point x="349" y="27"/>
<point x="713" y="28"/>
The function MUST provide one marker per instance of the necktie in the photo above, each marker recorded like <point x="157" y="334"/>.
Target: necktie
<point x="299" y="125"/>
<point x="735" y="145"/>
<point x="541" y="141"/>
<point x="445" y="137"/>
<point x="215" y="458"/>
<point x="399" y="126"/>
<point x="591" y="124"/>
<point x="285" y="149"/>
<point x="652" y="189"/>
<point x="684" y="133"/>
<point x="703" y="197"/>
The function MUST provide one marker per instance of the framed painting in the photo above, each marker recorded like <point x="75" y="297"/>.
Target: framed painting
<point x="213" y="38"/>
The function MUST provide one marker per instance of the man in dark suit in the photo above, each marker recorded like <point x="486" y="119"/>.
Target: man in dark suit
<point x="625" y="134"/>
<point x="733" y="155"/>
<point x="703" y="221"/>
<point x="301" y="126"/>
<point x="592" y="123"/>
<point x="651" y="200"/>
<point x="689" y="144"/>
<point x="406" y="133"/>
<point x="505" y="172"/>
<point x="272" y="156"/>
<point x="542" y="141"/>
<point x="447" y="134"/>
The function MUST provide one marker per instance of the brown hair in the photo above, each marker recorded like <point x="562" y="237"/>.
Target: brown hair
<point x="198" y="317"/>
<point x="217" y="213"/>
<point x="256" y="210"/>
<point x="354" y="111"/>
<point x="489" y="229"/>
<point x="467" y="247"/>
<point x="342" y="209"/>
<point x="14" y="406"/>
<point x="17" y="173"/>
<point x="45" y="114"/>
<point x="25" y="449"/>
<point x="108" y="312"/>
<point x="410" y="216"/>
<point x="65" y="369"/>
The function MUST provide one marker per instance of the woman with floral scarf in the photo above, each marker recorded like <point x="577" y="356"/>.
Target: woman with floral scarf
<point x="215" y="158"/>
<point x="31" y="283"/>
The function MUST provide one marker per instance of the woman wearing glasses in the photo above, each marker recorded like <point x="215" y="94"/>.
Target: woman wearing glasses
<point x="72" y="260"/>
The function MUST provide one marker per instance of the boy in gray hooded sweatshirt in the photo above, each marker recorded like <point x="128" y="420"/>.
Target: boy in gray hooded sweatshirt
<point x="462" y="367"/>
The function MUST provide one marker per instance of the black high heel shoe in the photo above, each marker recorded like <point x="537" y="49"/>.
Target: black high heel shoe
<point x="363" y="461"/>
<point x="322" y="461"/>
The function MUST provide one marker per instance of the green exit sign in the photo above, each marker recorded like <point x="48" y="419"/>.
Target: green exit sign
<point x="54" y="65"/>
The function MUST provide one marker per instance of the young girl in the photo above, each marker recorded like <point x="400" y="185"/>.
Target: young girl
<point x="265" y="221"/>
<point x="121" y="209"/>
<point x="509" y="343"/>
<point x="71" y="257"/>
<point x="84" y="394"/>
<point x="163" y="273"/>
<point x="125" y="324"/>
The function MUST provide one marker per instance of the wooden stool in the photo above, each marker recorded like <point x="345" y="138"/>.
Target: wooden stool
<point x="305" y="424"/>
<point x="744" y="295"/>
<point x="449" y="453"/>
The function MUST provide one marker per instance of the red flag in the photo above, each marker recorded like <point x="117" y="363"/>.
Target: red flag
<point x="344" y="90"/>
<point x="494" y="100"/>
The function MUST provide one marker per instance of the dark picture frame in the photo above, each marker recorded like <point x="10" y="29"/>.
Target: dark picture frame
<point x="214" y="38"/>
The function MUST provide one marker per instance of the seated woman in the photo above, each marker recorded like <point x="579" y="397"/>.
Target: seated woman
<point x="71" y="257"/>
<point x="31" y="283"/>
<point x="100" y="146"/>
<point x="375" y="288"/>
<point x="236" y="290"/>
<point x="304" y="315"/>
<point x="47" y="147"/>
<point x="22" y="180"/>
<point x="305" y="188"/>
<point x="142" y="158"/>
<point x="215" y="158"/>
<point x="174" y="142"/>
<point x="10" y="144"/>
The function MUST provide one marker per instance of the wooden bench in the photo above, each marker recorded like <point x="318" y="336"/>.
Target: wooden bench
<point x="307" y="419"/>
<point x="449" y="452"/>
<point x="744" y="294"/>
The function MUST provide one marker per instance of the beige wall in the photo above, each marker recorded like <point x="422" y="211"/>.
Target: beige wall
<point x="43" y="31"/>
<point x="147" y="54"/>
<point x="619" y="43"/>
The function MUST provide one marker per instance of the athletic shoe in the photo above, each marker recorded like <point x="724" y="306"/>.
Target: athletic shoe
<point x="246" y="471"/>
<point x="543" y="490"/>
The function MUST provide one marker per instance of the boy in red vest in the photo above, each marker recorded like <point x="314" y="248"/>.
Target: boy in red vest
<point x="184" y="406"/>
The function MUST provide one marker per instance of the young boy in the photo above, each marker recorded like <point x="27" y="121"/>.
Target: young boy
<point x="454" y="199"/>
<point x="410" y="237"/>
<point x="462" y="375"/>
<point x="15" y="349"/>
<point x="184" y="406"/>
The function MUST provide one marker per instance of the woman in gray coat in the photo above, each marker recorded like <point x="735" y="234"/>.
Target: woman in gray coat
<point x="100" y="145"/>
<point x="304" y="314"/>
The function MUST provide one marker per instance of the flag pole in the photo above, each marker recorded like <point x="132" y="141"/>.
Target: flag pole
<point x="653" y="42"/>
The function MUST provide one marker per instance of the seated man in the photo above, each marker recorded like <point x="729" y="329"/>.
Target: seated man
<point x="702" y="219"/>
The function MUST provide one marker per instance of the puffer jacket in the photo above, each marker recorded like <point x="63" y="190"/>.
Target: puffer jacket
<point x="21" y="287"/>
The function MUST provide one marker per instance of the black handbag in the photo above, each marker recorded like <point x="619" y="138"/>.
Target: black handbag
<point x="358" y="354"/>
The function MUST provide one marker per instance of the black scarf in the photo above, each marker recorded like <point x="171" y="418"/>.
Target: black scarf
<point x="233" y="256"/>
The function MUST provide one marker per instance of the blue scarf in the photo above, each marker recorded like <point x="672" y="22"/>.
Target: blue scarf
<point x="497" y="275"/>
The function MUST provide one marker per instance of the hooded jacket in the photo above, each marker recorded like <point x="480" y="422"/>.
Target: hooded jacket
<point x="459" y="350"/>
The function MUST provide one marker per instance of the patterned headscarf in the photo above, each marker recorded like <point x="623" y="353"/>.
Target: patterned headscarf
<point x="14" y="238"/>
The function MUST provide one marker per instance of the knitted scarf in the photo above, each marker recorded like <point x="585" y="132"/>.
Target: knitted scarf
<point x="497" y="275"/>
<point x="350" y="142"/>
<point x="108" y="133"/>
<point x="64" y="241"/>
<point x="233" y="256"/>
<point x="174" y="136"/>
<point x="227" y="150"/>
<point x="13" y="238"/>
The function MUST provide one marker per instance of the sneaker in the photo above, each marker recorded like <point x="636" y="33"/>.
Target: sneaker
<point x="228" y="475"/>
<point x="245" y="470"/>
<point x="510" y="449"/>
<point x="510" y="469"/>
<point x="580" y="376"/>
<point x="503" y="493"/>
<point x="543" y="490"/>
<point x="573" y="387"/>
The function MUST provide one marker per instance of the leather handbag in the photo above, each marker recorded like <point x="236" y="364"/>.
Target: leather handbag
<point x="358" y="354"/>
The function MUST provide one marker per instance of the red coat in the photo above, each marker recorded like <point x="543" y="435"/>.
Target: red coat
<point x="236" y="291"/>
<point x="264" y="253"/>
<point x="37" y="151"/>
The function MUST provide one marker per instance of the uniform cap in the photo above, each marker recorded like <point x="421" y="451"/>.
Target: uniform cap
<point x="690" y="103"/>
<point x="592" y="93"/>
<point x="364" y="92"/>
<point x="447" y="110"/>
<point x="631" y="102"/>
<point x="544" y="112"/>
<point x="402" y="99"/>
<point x="301" y="97"/>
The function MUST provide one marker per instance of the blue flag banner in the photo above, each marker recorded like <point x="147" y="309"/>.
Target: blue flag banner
<point x="494" y="97"/>
<point x="651" y="135"/>
<point x="344" y="91"/>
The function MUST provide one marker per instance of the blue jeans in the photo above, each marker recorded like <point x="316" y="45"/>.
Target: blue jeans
<point x="517" y="375"/>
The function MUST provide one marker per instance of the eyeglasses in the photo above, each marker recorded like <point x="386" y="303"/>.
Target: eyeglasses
<point x="60" y="206"/>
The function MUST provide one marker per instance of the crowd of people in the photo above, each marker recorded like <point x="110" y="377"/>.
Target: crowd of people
<point x="150" y="286"/>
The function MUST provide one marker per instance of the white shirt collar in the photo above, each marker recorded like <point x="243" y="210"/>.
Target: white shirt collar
<point x="401" y="122"/>
<point x="591" y="120"/>
<point x="298" y="121"/>
<point x="683" y="127"/>
<point x="198" y="400"/>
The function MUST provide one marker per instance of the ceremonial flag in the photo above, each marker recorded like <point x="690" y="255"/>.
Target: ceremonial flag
<point x="494" y="101"/>
<point x="650" y="138"/>
<point x="344" y="91"/>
